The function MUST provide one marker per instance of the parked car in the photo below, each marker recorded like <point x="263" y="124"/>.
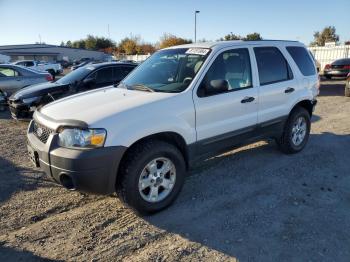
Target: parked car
<point x="74" y="67"/>
<point x="64" y="63"/>
<point x="25" y="101"/>
<point x="53" y="68"/>
<point x="13" y="78"/>
<point x="182" y="104"/>
<point x="3" y="101"/>
<point x="339" y="68"/>
<point x="347" y="86"/>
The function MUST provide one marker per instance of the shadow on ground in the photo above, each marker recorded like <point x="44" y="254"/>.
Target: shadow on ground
<point x="15" y="178"/>
<point x="260" y="205"/>
<point x="11" y="254"/>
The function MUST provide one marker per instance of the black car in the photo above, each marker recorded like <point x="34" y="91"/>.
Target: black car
<point x="24" y="102"/>
<point x="339" y="68"/>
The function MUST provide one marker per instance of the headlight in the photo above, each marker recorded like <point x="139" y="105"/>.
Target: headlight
<point x="30" y="100"/>
<point x="84" y="138"/>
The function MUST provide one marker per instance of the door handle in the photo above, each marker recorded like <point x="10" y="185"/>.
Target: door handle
<point x="247" y="99"/>
<point x="289" y="90"/>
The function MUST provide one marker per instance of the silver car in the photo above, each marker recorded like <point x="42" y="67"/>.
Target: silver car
<point x="13" y="78"/>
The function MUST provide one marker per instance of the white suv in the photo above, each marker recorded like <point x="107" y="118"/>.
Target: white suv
<point x="183" y="104"/>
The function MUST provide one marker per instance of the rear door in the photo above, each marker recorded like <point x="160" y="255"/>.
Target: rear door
<point x="223" y="118"/>
<point x="276" y="84"/>
<point x="10" y="80"/>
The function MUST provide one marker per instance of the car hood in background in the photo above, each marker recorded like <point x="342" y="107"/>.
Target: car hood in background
<point x="95" y="105"/>
<point x="36" y="90"/>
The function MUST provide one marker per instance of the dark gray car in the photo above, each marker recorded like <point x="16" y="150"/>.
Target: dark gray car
<point x="13" y="78"/>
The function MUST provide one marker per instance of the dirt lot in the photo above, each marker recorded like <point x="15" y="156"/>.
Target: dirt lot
<point x="252" y="204"/>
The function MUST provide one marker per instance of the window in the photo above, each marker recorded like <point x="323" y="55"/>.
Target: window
<point x="272" y="65"/>
<point x="9" y="72"/>
<point x="302" y="59"/>
<point x="29" y="63"/>
<point x="232" y="66"/>
<point x="104" y="75"/>
<point x="119" y="73"/>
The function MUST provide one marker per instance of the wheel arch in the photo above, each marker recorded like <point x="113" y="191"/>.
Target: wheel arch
<point x="307" y="104"/>
<point x="172" y="138"/>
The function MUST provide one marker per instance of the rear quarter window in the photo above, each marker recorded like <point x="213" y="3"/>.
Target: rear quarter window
<point x="303" y="60"/>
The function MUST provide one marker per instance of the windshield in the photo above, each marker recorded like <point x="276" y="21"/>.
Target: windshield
<point x="76" y="75"/>
<point x="170" y="70"/>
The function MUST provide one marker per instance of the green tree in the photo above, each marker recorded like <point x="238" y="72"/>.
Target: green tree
<point x="69" y="44"/>
<point x="168" y="40"/>
<point x="62" y="43"/>
<point x="328" y="34"/>
<point x="253" y="37"/>
<point x="230" y="37"/>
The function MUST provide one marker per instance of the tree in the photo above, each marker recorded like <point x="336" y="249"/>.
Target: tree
<point x="62" y="43"/>
<point x="168" y="40"/>
<point x="230" y="37"/>
<point x="249" y="37"/>
<point x="128" y="46"/>
<point x="328" y="34"/>
<point x="69" y="44"/>
<point x="253" y="37"/>
<point x="347" y="42"/>
<point x="147" y="49"/>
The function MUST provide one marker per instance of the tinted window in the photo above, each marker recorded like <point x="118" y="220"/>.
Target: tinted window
<point x="119" y="73"/>
<point x="302" y="59"/>
<point x="104" y="75"/>
<point x="272" y="65"/>
<point x="232" y="66"/>
<point x="76" y="75"/>
<point x="30" y="63"/>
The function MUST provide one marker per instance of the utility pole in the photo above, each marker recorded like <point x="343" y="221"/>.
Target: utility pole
<point x="39" y="39"/>
<point x="109" y="36"/>
<point x="195" y="25"/>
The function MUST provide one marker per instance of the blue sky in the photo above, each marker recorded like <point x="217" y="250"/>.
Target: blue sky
<point x="23" y="21"/>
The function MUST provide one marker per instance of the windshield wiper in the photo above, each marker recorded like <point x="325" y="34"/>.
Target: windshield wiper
<point x="142" y="87"/>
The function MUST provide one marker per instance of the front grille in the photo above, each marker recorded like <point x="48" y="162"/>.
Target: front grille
<point x="41" y="132"/>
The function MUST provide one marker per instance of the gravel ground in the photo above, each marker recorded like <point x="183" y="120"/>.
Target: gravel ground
<point x="252" y="204"/>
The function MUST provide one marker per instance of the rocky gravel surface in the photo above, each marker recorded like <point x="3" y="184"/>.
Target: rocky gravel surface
<point x="251" y="204"/>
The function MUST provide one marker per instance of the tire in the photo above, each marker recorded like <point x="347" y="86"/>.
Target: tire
<point x="135" y="167"/>
<point x="328" y="77"/>
<point x="347" y="90"/>
<point x="52" y="72"/>
<point x="286" y="142"/>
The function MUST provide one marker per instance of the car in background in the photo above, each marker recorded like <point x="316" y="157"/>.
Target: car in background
<point x="3" y="102"/>
<point x="339" y="68"/>
<point x="347" y="86"/>
<point x="74" y="67"/>
<point x="25" y="101"/>
<point x="53" y="68"/>
<point x="13" y="78"/>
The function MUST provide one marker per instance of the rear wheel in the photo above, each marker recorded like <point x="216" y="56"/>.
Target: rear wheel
<point x="52" y="72"/>
<point x="328" y="77"/>
<point x="296" y="131"/>
<point x="151" y="176"/>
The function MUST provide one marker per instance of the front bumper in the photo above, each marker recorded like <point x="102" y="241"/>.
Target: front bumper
<point x="87" y="170"/>
<point x="20" y="111"/>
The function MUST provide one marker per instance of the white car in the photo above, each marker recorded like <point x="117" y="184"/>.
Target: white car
<point x="183" y="104"/>
<point x="53" y="68"/>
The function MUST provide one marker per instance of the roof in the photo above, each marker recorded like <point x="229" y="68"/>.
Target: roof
<point x="38" y="46"/>
<point x="223" y="44"/>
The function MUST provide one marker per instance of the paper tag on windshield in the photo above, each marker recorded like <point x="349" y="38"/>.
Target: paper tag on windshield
<point x="197" y="51"/>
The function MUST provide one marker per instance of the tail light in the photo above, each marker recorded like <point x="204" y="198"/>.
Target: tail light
<point x="49" y="78"/>
<point x="347" y="67"/>
<point x="328" y="66"/>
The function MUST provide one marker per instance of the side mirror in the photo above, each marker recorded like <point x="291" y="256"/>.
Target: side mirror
<point x="219" y="85"/>
<point x="89" y="81"/>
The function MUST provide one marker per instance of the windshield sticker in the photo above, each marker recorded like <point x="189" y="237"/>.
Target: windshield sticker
<point x="197" y="51"/>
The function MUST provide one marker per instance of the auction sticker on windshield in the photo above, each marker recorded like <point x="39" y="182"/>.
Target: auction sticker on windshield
<point x="197" y="51"/>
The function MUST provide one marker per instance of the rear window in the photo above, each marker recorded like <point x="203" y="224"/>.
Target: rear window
<point x="272" y="65"/>
<point x="302" y="59"/>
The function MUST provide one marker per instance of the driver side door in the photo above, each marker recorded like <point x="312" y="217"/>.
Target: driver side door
<point x="226" y="116"/>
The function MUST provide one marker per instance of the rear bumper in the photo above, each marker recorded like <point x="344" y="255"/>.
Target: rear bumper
<point x="334" y="72"/>
<point x="87" y="170"/>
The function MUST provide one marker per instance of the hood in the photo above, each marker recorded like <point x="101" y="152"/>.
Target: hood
<point x="95" y="105"/>
<point x="36" y="90"/>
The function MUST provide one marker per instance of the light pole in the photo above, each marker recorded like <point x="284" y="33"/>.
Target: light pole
<point x="195" y="25"/>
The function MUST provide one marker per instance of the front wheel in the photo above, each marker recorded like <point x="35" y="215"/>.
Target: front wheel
<point x="296" y="131"/>
<point x="151" y="176"/>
